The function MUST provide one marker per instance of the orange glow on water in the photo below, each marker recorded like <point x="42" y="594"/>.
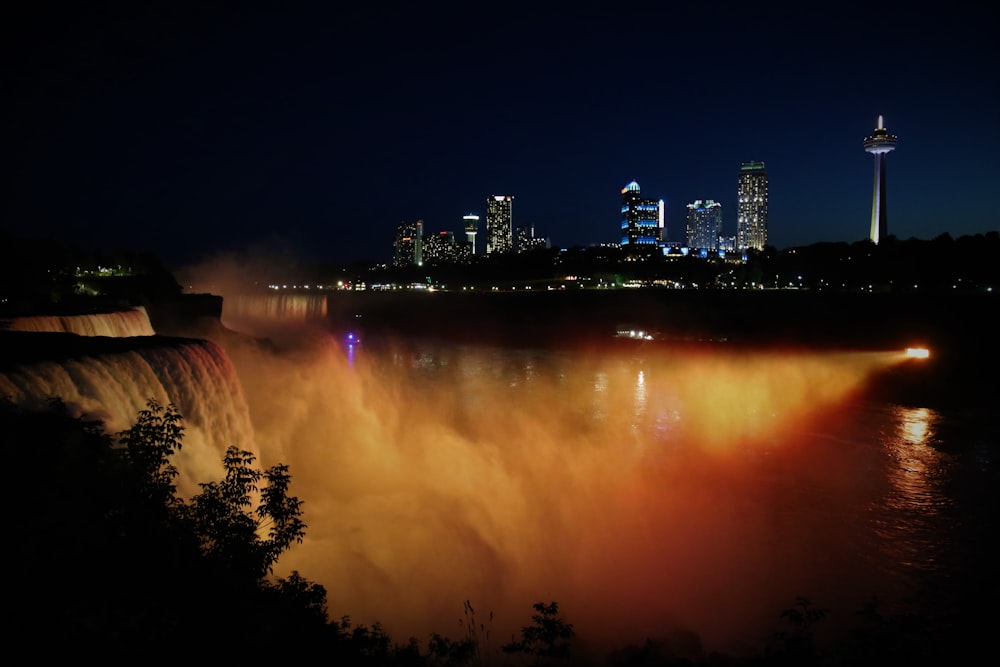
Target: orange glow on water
<point x="626" y="489"/>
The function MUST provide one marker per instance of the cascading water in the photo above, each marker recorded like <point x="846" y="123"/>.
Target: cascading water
<point x="285" y="308"/>
<point x="276" y="316"/>
<point x="118" y="324"/>
<point x="112" y="379"/>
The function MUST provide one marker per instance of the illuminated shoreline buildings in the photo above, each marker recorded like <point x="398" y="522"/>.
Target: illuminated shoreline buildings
<point x="704" y="224"/>
<point x="879" y="144"/>
<point x="642" y="219"/>
<point x="499" y="224"/>
<point x="751" y="207"/>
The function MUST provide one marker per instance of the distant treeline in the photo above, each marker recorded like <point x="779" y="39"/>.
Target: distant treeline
<point x="47" y="274"/>
<point x="966" y="263"/>
<point x="50" y="277"/>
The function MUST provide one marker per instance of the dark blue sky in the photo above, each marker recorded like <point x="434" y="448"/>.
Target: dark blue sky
<point x="195" y="128"/>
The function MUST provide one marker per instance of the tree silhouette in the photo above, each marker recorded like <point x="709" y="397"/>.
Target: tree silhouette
<point x="549" y="637"/>
<point x="798" y="644"/>
<point x="110" y="561"/>
<point x="229" y="528"/>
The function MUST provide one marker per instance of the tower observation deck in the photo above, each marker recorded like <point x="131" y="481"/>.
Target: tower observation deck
<point x="471" y="227"/>
<point x="879" y="144"/>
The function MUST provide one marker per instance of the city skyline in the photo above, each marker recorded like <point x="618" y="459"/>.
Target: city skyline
<point x="642" y="219"/>
<point x="195" y="132"/>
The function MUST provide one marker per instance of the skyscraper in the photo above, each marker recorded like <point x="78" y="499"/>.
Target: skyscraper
<point x="408" y="247"/>
<point x="704" y="224"/>
<point x="642" y="219"/>
<point x="527" y="241"/>
<point x="879" y="144"/>
<point x="751" y="207"/>
<point x="499" y="224"/>
<point x="440" y="248"/>
<point x="471" y="222"/>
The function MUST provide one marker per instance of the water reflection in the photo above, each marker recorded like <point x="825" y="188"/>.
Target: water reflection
<point x="600" y="392"/>
<point x="910" y="516"/>
<point x="919" y="466"/>
<point x="915" y="423"/>
<point x="640" y="396"/>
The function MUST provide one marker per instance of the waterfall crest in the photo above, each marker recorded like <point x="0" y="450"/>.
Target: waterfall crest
<point x="274" y="307"/>
<point x="117" y="324"/>
<point x="115" y="382"/>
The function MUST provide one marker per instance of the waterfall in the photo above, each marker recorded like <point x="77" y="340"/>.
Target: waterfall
<point x="117" y="324"/>
<point x="275" y="315"/>
<point x="277" y="307"/>
<point x="115" y="378"/>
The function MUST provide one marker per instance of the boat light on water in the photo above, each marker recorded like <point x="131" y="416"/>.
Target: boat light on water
<point x="633" y="332"/>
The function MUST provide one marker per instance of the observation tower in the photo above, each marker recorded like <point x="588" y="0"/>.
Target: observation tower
<point x="879" y="144"/>
<point x="471" y="222"/>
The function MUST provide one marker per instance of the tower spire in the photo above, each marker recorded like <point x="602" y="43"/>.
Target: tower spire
<point x="879" y="144"/>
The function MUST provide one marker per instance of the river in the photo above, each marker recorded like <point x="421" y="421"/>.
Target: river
<point x="649" y="489"/>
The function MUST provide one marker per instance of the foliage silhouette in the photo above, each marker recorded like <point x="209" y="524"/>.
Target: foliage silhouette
<point x="549" y="637"/>
<point x="121" y="563"/>
<point x="446" y="652"/>
<point x="477" y="634"/>
<point x="799" y="643"/>
<point x="229" y="531"/>
<point x="106" y="560"/>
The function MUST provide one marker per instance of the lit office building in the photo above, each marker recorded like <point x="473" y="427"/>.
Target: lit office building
<point x="642" y="219"/>
<point x="751" y="207"/>
<point x="408" y="248"/>
<point x="499" y="224"/>
<point x="704" y="224"/>
<point x="443" y="248"/>
<point x="526" y="239"/>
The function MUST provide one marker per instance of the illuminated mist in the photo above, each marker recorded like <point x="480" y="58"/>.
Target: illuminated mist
<point x="683" y="490"/>
<point x="679" y="490"/>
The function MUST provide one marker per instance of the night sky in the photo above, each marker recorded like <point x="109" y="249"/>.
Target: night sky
<point x="191" y="129"/>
